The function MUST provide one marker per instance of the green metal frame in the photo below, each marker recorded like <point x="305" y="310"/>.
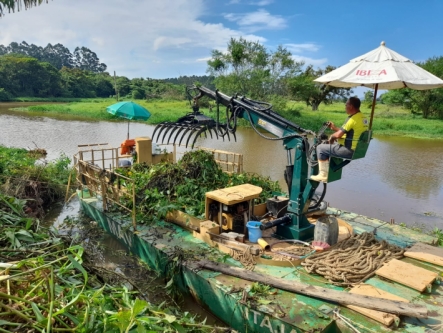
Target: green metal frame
<point x="301" y="189"/>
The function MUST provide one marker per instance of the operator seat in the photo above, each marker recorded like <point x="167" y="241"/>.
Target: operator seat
<point x="336" y="164"/>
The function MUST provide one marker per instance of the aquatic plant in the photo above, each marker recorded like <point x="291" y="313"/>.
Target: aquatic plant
<point x="439" y="234"/>
<point x="45" y="287"/>
<point x="169" y="186"/>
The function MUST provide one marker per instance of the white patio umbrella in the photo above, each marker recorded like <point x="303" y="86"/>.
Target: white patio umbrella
<point x="381" y="68"/>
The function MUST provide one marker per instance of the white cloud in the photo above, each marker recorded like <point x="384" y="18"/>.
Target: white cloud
<point x="253" y="3"/>
<point x="310" y="61"/>
<point x="262" y="2"/>
<point x="258" y="20"/>
<point x="135" y="38"/>
<point x="298" y="48"/>
<point x="203" y="59"/>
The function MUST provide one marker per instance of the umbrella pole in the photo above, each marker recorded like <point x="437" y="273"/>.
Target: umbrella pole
<point x="373" y="106"/>
<point x="128" y="129"/>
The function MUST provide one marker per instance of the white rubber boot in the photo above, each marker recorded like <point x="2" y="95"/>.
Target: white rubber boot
<point x="323" y="167"/>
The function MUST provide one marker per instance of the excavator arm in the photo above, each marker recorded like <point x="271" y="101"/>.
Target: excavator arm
<point x="301" y="157"/>
<point x="259" y="114"/>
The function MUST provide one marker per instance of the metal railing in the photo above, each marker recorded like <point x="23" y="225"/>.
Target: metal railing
<point x="96" y="163"/>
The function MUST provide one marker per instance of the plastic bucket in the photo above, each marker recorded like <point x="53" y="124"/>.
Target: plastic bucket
<point x="254" y="231"/>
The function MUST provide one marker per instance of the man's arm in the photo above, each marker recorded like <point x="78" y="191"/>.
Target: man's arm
<point x="333" y="127"/>
<point x="338" y="134"/>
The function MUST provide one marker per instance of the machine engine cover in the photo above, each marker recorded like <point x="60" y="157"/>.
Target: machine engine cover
<point x="278" y="206"/>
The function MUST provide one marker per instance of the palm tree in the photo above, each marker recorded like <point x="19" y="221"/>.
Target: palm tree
<point x="13" y="5"/>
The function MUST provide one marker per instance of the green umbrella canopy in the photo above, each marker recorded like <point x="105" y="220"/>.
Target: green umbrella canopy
<point x="129" y="110"/>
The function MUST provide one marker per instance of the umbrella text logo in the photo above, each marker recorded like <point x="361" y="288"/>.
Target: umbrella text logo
<point x="364" y="72"/>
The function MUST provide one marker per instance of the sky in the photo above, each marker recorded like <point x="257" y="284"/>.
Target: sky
<point x="171" y="38"/>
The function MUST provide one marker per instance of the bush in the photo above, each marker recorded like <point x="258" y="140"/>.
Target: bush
<point x="4" y="95"/>
<point x="279" y="103"/>
<point x="137" y="94"/>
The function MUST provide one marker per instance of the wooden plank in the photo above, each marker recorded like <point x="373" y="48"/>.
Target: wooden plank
<point x="341" y="297"/>
<point x="233" y="243"/>
<point x="235" y="194"/>
<point x="427" y="253"/>
<point x="385" y="318"/>
<point x="407" y="274"/>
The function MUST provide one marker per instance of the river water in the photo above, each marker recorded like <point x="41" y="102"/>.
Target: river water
<point x="400" y="178"/>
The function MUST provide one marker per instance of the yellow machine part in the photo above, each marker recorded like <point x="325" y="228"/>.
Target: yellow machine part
<point x="227" y="221"/>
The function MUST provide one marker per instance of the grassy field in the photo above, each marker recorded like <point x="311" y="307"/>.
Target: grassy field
<point x="388" y="120"/>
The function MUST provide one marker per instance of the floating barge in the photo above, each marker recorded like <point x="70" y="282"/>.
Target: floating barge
<point x="198" y="257"/>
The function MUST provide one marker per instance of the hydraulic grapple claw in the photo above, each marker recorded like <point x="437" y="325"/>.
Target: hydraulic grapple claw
<point x="192" y="126"/>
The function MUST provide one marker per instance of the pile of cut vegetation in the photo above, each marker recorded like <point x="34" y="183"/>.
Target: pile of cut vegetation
<point x="26" y="175"/>
<point x="166" y="186"/>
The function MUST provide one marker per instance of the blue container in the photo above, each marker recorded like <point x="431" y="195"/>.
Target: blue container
<point x="254" y="231"/>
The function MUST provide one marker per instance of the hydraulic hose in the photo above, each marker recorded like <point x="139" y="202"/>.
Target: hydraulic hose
<point x="322" y="196"/>
<point x="282" y="220"/>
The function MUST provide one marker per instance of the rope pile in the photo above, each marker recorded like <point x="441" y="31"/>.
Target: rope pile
<point x="244" y="257"/>
<point x="352" y="260"/>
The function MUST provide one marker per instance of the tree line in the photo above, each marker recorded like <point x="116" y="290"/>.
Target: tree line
<point x="57" y="55"/>
<point x="246" y="68"/>
<point x="28" y="70"/>
<point x="249" y="68"/>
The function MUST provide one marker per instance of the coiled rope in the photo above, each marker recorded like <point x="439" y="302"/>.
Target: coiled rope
<point x="245" y="257"/>
<point x="352" y="260"/>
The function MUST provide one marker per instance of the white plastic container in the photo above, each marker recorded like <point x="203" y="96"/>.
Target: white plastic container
<point x="156" y="149"/>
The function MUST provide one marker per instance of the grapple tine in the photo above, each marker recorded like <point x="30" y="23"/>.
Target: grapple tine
<point x="199" y="132"/>
<point x="191" y="128"/>
<point x="171" y="126"/>
<point x="235" y="136"/>
<point x="160" y="129"/>
<point x="156" y="129"/>
<point x="221" y="134"/>
<point x="172" y="132"/>
<point x="176" y="136"/>
<point x="227" y="134"/>
<point x="215" y="131"/>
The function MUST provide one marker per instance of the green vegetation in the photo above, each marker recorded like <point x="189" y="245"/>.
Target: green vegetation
<point x="96" y="109"/>
<point x="12" y="5"/>
<point x="45" y="285"/>
<point x="164" y="187"/>
<point x="39" y="184"/>
<point x="439" y="234"/>
<point x="303" y="88"/>
<point x="388" y="120"/>
<point x="248" y="68"/>
<point x="427" y="103"/>
<point x="53" y="72"/>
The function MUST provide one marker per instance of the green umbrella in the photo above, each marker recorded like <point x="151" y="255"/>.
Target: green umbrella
<point x="129" y="110"/>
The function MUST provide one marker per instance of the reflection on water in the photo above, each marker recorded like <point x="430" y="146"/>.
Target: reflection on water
<point x="412" y="164"/>
<point x="399" y="178"/>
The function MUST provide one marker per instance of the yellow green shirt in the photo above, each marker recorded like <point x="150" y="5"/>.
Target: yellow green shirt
<point x="353" y="127"/>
